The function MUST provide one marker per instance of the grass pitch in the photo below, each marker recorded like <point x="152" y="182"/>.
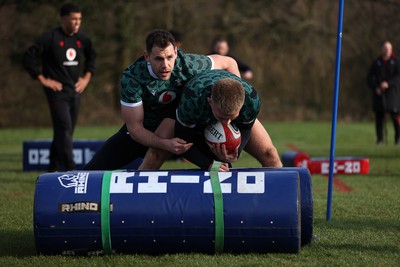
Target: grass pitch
<point x="364" y="230"/>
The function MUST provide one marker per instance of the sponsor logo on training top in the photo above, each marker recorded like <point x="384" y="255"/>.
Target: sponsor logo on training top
<point x="71" y="55"/>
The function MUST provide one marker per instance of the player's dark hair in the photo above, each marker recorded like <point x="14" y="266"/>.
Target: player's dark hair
<point x="68" y="8"/>
<point x="160" y="38"/>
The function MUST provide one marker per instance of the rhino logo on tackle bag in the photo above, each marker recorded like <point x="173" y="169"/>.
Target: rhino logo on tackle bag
<point x="77" y="181"/>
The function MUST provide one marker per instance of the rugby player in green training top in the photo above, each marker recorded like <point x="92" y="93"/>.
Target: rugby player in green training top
<point x="210" y="96"/>
<point x="150" y="89"/>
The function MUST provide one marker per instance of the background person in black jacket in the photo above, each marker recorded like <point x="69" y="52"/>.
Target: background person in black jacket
<point x="384" y="79"/>
<point x="220" y="46"/>
<point x="64" y="53"/>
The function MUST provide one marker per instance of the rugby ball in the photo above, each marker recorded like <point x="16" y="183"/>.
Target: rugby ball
<point x="218" y="133"/>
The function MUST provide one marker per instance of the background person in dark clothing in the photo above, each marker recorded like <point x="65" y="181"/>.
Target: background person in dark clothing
<point x="384" y="79"/>
<point x="220" y="46"/>
<point x="62" y="51"/>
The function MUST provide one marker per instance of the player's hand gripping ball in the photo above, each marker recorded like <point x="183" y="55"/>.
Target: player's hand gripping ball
<point x="218" y="133"/>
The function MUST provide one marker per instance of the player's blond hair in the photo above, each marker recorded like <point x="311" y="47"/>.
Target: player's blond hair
<point x="229" y="95"/>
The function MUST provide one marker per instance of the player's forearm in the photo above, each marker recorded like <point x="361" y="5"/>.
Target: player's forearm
<point x="147" y="138"/>
<point x="87" y="76"/>
<point x="30" y="62"/>
<point x="41" y="78"/>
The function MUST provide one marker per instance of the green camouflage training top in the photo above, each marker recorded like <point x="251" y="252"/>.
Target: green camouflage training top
<point x="139" y="87"/>
<point x="194" y="109"/>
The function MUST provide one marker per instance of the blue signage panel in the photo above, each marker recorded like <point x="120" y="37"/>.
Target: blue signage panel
<point x="168" y="211"/>
<point x="36" y="154"/>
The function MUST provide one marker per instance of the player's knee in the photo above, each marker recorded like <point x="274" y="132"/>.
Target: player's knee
<point x="153" y="155"/>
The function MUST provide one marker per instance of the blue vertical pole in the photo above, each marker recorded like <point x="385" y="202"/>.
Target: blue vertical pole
<point x="335" y="110"/>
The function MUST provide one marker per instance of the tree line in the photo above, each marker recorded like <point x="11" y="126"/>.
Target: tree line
<point x="289" y="44"/>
